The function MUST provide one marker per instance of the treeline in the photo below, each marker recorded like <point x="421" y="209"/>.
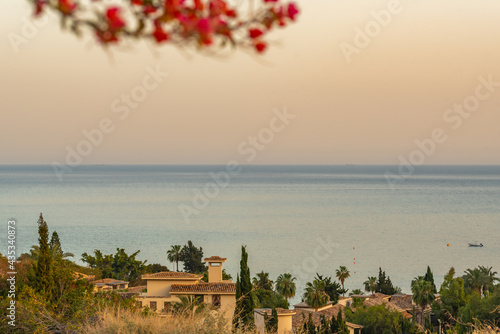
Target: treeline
<point x="50" y="297"/>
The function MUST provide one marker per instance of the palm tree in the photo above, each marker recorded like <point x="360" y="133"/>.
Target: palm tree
<point x="285" y="285"/>
<point x="474" y="279"/>
<point x="174" y="255"/>
<point x="356" y="292"/>
<point x="342" y="273"/>
<point x="262" y="281"/>
<point x="55" y="253"/>
<point x="423" y="294"/>
<point x="315" y="295"/>
<point x="188" y="305"/>
<point x="370" y="284"/>
<point x="489" y="278"/>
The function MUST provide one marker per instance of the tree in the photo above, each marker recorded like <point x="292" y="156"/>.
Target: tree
<point x="119" y="266"/>
<point x="200" y="23"/>
<point x="423" y="294"/>
<point x="341" y="324"/>
<point x="193" y="259"/>
<point x="174" y="255"/>
<point x="332" y="288"/>
<point x="342" y="274"/>
<point x="285" y="285"/>
<point x="155" y="268"/>
<point x="429" y="277"/>
<point x="334" y="325"/>
<point x="489" y="278"/>
<point x="474" y="279"/>
<point x="308" y="327"/>
<point x="452" y="296"/>
<point x="44" y="281"/>
<point x="370" y="284"/>
<point x="55" y="244"/>
<point x="271" y="323"/>
<point x="243" y="313"/>
<point x="384" y="284"/>
<point x="380" y="320"/>
<point x="356" y="292"/>
<point x="315" y="295"/>
<point x="262" y="281"/>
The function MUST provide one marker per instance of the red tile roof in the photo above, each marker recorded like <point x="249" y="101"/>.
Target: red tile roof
<point x="279" y="310"/>
<point x="172" y="275"/>
<point x="301" y="316"/>
<point x="215" y="259"/>
<point x="204" y="288"/>
<point x="109" y="281"/>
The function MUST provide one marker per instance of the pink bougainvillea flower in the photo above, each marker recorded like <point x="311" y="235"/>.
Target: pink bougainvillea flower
<point x="260" y="47"/>
<point x="292" y="11"/>
<point x="39" y="7"/>
<point x="137" y="2"/>
<point x="255" y="33"/>
<point x="106" y="36"/>
<point x="67" y="7"/>
<point x="149" y="9"/>
<point x="160" y="35"/>
<point x="115" y="21"/>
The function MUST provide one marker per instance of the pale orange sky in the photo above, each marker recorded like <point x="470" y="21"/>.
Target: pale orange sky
<point x="369" y="111"/>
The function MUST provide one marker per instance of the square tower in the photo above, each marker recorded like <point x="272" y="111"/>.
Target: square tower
<point x="215" y="268"/>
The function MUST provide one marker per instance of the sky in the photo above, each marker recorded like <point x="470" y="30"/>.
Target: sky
<point x="345" y="84"/>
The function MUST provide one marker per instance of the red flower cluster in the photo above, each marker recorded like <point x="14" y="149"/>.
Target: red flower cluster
<point x="179" y="21"/>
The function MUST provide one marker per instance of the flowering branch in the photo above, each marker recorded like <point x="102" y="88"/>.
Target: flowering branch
<point x="199" y="22"/>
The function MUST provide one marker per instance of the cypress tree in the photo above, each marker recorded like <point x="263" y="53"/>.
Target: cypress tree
<point x="274" y="321"/>
<point x="334" y="328"/>
<point x="429" y="277"/>
<point x="311" y="329"/>
<point x="243" y="313"/>
<point x="44" y="282"/>
<point x="238" y="307"/>
<point x="55" y="243"/>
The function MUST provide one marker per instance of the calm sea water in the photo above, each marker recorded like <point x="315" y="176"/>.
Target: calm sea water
<point x="279" y="212"/>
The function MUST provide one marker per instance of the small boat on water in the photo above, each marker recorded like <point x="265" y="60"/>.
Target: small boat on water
<point x="475" y="244"/>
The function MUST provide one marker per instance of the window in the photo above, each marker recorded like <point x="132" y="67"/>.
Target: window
<point x="216" y="300"/>
<point x="139" y="304"/>
<point x="152" y="305"/>
<point x="167" y="306"/>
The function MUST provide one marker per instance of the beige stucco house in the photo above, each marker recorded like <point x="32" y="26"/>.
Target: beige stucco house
<point x="302" y="311"/>
<point x="109" y="284"/>
<point x="165" y="288"/>
<point x="284" y="320"/>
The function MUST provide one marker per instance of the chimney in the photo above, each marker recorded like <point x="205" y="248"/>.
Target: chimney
<point x="215" y="268"/>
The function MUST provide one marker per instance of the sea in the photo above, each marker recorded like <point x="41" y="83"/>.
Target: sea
<point x="292" y="219"/>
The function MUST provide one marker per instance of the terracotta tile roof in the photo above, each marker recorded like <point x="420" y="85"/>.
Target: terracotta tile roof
<point x="403" y="301"/>
<point x="279" y="310"/>
<point x="108" y="281"/>
<point x="225" y="288"/>
<point x="172" y="275"/>
<point x="301" y="316"/>
<point x="215" y="259"/>
<point x="379" y="295"/>
<point x="354" y="326"/>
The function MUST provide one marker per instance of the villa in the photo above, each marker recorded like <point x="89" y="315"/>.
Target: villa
<point x="108" y="284"/>
<point x="284" y="319"/>
<point x="166" y="288"/>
